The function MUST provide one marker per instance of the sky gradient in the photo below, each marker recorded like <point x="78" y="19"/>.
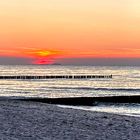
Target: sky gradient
<point x="46" y="31"/>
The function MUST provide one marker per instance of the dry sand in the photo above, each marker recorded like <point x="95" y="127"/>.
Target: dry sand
<point x="20" y="120"/>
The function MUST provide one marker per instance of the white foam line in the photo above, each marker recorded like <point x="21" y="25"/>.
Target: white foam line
<point x="100" y="110"/>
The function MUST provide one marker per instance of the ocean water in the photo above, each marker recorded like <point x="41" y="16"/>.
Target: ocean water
<point x="125" y="81"/>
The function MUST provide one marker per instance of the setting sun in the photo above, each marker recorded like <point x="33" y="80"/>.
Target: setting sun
<point x="44" y="53"/>
<point x="44" y="56"/>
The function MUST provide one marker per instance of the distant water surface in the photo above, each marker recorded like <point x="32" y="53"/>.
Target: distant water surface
<point x="125" y="81"/>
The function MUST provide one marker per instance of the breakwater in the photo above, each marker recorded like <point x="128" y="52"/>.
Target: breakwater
<point x="58" y="77"/>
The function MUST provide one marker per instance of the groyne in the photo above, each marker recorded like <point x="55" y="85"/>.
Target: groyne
<point x="58" y="77"/>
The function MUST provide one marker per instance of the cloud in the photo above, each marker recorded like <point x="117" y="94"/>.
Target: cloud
<point x="101" y="61"/>
<point x="4" y="60"/>
<point x="71" y="61"/>
<point x="15" y="60"/>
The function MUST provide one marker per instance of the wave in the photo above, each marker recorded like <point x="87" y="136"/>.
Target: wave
<point x="97" y="89"/>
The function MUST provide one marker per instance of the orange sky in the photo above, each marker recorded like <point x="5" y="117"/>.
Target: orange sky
<point x="70" y="28"/>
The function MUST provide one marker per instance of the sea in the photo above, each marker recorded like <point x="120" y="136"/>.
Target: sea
<point x="125" y="82"/>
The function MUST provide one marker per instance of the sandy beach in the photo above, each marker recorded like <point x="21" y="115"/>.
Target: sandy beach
<point x="33" y="121"/>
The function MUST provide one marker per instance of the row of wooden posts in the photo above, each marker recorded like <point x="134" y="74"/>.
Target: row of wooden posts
<point x="57" y="77"/>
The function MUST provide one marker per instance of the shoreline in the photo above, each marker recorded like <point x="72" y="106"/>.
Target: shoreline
<point x="35" y="120"/>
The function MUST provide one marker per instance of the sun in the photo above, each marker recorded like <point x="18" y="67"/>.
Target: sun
<point x="44" y="56"/>
<point x="43" y="61"/>
<point x="44" y="53"/>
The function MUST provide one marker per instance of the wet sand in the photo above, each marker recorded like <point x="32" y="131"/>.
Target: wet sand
<point x="29" y="120"/>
